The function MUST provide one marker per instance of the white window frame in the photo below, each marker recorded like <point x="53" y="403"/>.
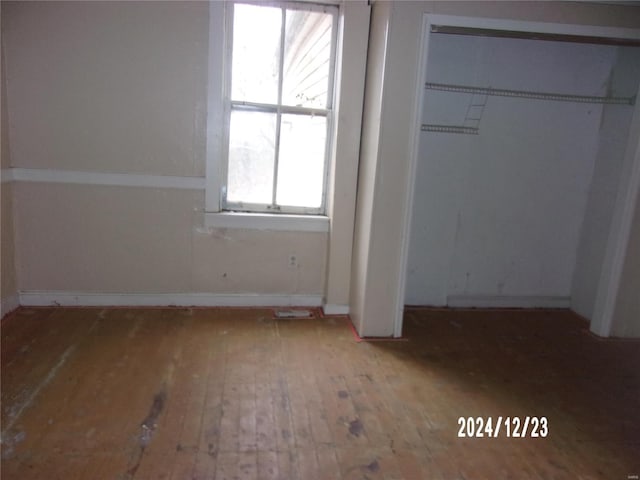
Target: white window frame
<point x="220" y="107"/>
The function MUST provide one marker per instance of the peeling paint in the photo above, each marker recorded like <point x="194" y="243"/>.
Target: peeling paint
<point x="149" y="424"/>
<point x="9" y="443"/>
<point x="148" y="427"/>
<point x="17" y="409"/>
<point x="373" y="466"/>
<point x="356" y="428"/>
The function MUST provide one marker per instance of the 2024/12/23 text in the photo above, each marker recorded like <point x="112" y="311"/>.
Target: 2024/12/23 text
<point x="512" y="427"/>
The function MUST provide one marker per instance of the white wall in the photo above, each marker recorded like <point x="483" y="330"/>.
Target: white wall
<point x="120" y="87"/>
<point x="612" y="141"/>
<point x="83" y="238"/>
<point x="8" y="288"/>
<point x="626" y="320"/>
<point x="497" y="216"/>
<point x="8" y="284"/>
<point x="382" y="239"/>
<point x="107" y="87"/>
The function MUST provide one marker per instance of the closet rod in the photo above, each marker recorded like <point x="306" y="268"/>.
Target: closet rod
<point x="560" y="97"/>
<point x="448" y="129"/>
<point x="554" y="37"/>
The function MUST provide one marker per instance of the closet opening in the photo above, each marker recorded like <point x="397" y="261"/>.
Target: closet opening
<point x="524" y="166"/>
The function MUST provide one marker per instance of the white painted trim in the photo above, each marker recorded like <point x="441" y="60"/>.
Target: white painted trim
<point x="506" y="301"/>
<point x="6" y="175"/>
<point x="628" y="190"/>
<point x="330" y="309"/>
<point x="423" y="49"/>
<point x="267" y="221"/>
<point x="215" y="104"/>
<point x="619" y="233"/>
<point x="112" y="179"/>
<point x="39" y="298"/>
<point x="351" y="66"/>
<point x="8" y="304"/>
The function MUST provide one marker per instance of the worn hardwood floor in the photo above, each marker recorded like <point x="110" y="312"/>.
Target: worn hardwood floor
<point x="232" y="393"/>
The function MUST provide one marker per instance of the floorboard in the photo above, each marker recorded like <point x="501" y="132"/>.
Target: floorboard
<point x="176" y="393"/>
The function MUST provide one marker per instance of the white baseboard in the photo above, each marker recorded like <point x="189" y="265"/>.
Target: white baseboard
<point x="330" y="309"/>
<point x="507" y="301"/>
<point x="8" y="304"/>
<point x="84" y="299"/>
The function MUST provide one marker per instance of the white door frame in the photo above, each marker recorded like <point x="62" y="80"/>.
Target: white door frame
<point x="628" y="188"/>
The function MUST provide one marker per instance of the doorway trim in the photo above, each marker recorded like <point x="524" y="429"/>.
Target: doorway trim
<point x="628" y="188"/>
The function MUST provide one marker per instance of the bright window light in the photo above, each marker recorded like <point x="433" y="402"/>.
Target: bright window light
<point x="279" y="115"/>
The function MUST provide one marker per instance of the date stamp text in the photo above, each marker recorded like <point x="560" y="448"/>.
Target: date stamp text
<point x="510" y="427"/>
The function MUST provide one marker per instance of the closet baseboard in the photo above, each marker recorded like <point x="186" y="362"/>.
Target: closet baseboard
<point x="508" y="301"/>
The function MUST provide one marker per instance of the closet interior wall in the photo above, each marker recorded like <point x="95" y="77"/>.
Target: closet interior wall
<point x="514" y="210"/>
<point x="612" y="142"/>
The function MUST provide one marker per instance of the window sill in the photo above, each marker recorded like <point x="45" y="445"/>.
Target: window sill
<point x="267" y="221"/>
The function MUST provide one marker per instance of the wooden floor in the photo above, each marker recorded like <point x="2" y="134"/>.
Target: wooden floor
<point x="234" y="394"/>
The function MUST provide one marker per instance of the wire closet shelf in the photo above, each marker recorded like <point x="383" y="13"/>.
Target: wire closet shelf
<point x="502" y="92"/>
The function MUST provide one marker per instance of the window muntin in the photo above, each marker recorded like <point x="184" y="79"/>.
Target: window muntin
<point x="279" y="112"/>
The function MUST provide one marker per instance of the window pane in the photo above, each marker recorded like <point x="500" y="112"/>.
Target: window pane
<point x="251" y="157"/>
<point x="307" y="56"/>
<point x="256" y="53"/>
<point x="301" y="164"/>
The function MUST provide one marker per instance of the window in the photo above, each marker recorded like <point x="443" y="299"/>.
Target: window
<point x="279" y="99"/>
